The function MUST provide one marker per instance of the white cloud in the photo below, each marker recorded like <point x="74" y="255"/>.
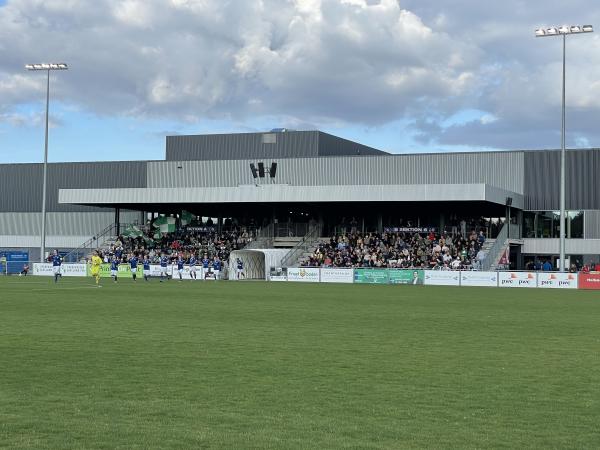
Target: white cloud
<point x="363" y="62"/>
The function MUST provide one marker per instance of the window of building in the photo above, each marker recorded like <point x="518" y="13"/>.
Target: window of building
<point x="546" y="224"/>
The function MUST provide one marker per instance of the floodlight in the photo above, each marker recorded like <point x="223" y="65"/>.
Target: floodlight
<point x="587" y="28"/>
<point x="46" y="66"/>
<point x="576" y="29"/>
<point x="564" y="30"/>
<point x="540" y="32"/>
<point x="551" y="31"/>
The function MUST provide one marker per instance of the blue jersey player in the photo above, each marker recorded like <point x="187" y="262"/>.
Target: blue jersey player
<point x="192" y="263"/>
<point x="180" y="263"/>
<point x="205" y="266"/>
<point x="217" y="267"/>
<point x="114" y="268"/>
<point x="133" y="264"/>
<point x="146" y="264"/>
<point x="164" y="261"/>
<point x="56" y="263"/>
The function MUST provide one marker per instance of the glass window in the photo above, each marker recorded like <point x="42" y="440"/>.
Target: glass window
<point x="546" y="224"/>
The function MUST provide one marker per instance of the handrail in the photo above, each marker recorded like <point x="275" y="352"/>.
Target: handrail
<point x="292" y="255"/>
<point x="492" y="254"/>
<point x="93" y="242"/>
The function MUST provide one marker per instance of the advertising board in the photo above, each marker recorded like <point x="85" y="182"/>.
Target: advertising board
<point x="305" y="274"/>
<point x="67" y="270"/>
<point x="337" y="275"/>
<point x="406" y="276"/>
<point x="372" y="276"/>
<point x="517" y="279"/>
<point x="473" y="278"/>
<point x="557" y="280"/>
<point x="442" y="278"/>
<point x="589" y="280"/>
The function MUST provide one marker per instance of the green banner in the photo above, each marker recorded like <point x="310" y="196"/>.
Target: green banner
<point x="124" y="271"/>
<point x="406" y="276"/>
<point x="374" y="276"/>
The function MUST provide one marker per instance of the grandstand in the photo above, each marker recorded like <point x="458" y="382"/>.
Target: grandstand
<point x="288" y="198"/>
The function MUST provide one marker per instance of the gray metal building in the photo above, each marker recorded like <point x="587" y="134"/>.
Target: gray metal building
<point x="316" y="172"/>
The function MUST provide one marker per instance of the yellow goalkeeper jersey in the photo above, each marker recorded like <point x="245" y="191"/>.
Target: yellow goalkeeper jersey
<point x="96" y="261"/>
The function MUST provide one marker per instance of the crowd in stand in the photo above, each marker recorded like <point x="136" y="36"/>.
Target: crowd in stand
<point x="400" y="250"/>
<point x="200" y="241"/>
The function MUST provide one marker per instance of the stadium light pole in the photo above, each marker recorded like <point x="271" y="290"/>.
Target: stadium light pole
<point x="47" y="68"/>
<point x="563" y="31"/>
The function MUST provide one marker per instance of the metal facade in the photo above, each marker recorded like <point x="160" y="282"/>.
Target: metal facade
<point x="289" y="144"/>
<point x="24" y="183"/>
<point x="591" y="224"/>
<point x="542" y="175"/>
<point x="500" y="169"/>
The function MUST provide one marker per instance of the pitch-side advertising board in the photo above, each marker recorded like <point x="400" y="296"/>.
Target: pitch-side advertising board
<point x="337" y="275"/>
<point x="66" y="270"/>
<point x="517" y="279"/>
<point x="472" y="278"/>
<point x="557" y="280"/>
<point x="305" y="274"/>
<point x="442" y="278"/>
<point x="589" y="280"/>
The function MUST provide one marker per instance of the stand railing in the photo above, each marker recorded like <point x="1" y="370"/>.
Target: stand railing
<point x="304" y="245"/>
<point x="494" y="252"/>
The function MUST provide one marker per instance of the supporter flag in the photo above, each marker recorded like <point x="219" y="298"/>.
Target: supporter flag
<point x="165" y="224"/>
<point x="132" y="232"/>
<point x="186" y="217"/>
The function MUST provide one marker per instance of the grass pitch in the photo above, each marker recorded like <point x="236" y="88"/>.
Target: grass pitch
<point x="256" y="365"/>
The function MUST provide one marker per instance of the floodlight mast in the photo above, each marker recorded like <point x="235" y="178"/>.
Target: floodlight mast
<point x="563" y="31"/>
<point x="47" y="67"/>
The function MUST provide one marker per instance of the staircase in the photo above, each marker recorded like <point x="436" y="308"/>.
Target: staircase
<point x="304" y="247"/>
<point x="103" y="239"/>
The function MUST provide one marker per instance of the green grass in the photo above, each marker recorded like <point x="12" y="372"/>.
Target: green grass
<point x="256" y="365"/>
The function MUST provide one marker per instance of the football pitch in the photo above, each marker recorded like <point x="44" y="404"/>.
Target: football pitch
<point x="292" y="365"/>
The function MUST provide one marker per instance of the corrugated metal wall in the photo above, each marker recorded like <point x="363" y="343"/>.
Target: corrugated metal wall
<point x="24" y="183"/>
<point x="291" y="144"/>
<point x="591" y="225"/>
<point x="542" y="180"/>
<point x="59" y="223"/>
<point x="500" y="169"/>
<point x="330" y="145"/>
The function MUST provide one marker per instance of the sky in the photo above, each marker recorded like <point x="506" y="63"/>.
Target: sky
<point x="404" y="76"/>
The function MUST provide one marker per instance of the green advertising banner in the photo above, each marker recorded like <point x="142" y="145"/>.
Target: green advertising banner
<point x="374" y="276"/>
<point x="406" y="276"/>
<point x="124" y="271"/>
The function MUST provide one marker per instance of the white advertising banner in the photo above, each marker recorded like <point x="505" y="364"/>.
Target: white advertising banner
<point x="277" y="278"/>
<point x="66" y="270"/>
<point x="337" y="275"/>
<point x="473" y="278"/>
<point x="306" y="274"/>
<point x="517" y="279"/>
<point x="442" y="278"/>
<point x="557" y="280"/>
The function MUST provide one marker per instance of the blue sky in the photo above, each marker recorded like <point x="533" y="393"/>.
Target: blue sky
<point x="402" y="76"/>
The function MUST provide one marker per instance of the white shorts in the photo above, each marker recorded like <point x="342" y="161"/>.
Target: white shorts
<point x="180" y="271"/>
<point x="192" y="269"/>
<point x="163" y="270"/>
<point x="56" y="270"/>
<point x="113" y="273"/>
<point x="216" y="272"/>
<point x="147" y="272"/>
<point x="133" y="269"/>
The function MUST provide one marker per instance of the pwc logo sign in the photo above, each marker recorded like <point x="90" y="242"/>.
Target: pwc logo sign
<point x="557" y="280"/>
<point x="517" y="279"/>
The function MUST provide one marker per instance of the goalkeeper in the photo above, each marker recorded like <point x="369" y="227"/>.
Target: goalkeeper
<point x="96" y="261"/>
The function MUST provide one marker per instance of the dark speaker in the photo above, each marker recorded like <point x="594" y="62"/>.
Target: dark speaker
<point x="273" y="170"/>
<point x="508" y="201"/>
<point x="253" y="169"/>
